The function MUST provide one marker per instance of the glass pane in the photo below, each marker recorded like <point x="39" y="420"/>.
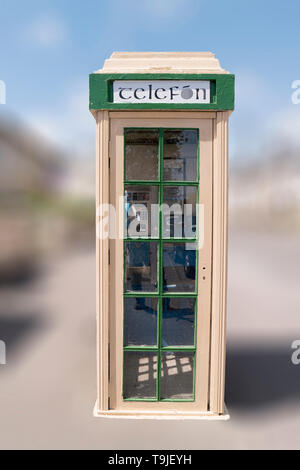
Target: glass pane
<point x="177" y="375"/>
<point x="178" y="322"/>
<point x="141" y="266"/>
<point x="140" y="374"/>
<point x="140" y="322"/>
<point x="141" y="154"/>
<point x="179" y="211"/>
<point x="180" y="155"/>
<point x="179" y="267"/>
<point x="141" y="211"/>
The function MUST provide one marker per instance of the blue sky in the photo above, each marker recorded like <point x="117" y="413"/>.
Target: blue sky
<point x="48" y="48"/>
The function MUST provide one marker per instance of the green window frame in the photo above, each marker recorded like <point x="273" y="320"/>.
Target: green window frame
<point x="160" y="295"/>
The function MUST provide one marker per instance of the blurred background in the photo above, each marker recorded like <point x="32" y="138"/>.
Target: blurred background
<point x="47" y="181"/>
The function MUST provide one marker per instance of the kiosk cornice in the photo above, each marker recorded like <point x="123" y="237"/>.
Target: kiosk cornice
<point x="144" y="68"/>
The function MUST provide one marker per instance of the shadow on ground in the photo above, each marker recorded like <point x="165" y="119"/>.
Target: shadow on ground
<point x="20" y="276"/>
<point x="259" y="376"/>
<point x="16" y="330"/>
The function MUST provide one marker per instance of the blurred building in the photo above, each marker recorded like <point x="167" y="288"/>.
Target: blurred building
<point x="28" y="165"/>
<point x="29" y="172"/>
<point x="265" y="192"/>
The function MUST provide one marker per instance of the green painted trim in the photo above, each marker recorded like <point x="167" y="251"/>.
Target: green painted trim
<point x="141" y="399"/>
<point x="177" y="400"/>
<point x="157" y="183"/>
<point x="222" y="91"/>
<point x="141" y="183"/>
<point x="164" y="295"/>
<point x="160" y="295"/>
<point x="164" y="240"/>
<point x="178" y="349"/>
<point x="164" y="349"/>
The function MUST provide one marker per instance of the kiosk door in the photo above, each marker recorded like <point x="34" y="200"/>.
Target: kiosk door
<point x="160" y="269"/>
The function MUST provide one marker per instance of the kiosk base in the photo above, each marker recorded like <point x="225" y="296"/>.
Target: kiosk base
<point x="121" y="414"/>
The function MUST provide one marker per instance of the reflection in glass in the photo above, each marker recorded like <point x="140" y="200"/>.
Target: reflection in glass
<point x="141" y="154"/>
<point x="140" y="321"/>
<point x="140" y="374"/>
<point x="180" y="155"/>
<point x="178" y="322"/>
<point x="179" y="211"/>
<point x="141" y="214"/>
<point x="141" y="266"/>
<point x="179" y="267"/>
<point x="177" y="375"/>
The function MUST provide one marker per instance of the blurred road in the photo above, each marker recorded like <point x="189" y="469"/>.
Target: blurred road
<point x="47" y="388"/>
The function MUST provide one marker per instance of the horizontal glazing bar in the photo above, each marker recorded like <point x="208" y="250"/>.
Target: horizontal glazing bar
<point x="162" y="183"/>
<point x="142" y="239"/>
<point x="142" y="183"/>
<point x="156" y="348"/>
<point x="163" y="240"/>
<point x="155" y="400"/>
<point x="177" y="400"/>
<point x="180" y="183"/>
<point x="190" y="295"/>
<point x="179" y="348"/>
<point x="159" y="128"/>
<point x="141" y="399"/>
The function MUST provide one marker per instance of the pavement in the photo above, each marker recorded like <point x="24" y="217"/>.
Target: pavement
<point x="48" y="386"/>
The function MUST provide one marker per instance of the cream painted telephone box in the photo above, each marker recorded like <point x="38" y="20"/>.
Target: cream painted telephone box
<point x="162" y="137"/>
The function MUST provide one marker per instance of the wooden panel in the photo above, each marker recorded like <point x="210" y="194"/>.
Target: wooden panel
<point x="219" y="279"/>
<point x="102" y="254"/>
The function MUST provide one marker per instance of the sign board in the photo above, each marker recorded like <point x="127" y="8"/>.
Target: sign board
<point x="161" y="91"/>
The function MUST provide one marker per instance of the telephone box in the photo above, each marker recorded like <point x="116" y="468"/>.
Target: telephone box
<point x="162" y="139"/>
